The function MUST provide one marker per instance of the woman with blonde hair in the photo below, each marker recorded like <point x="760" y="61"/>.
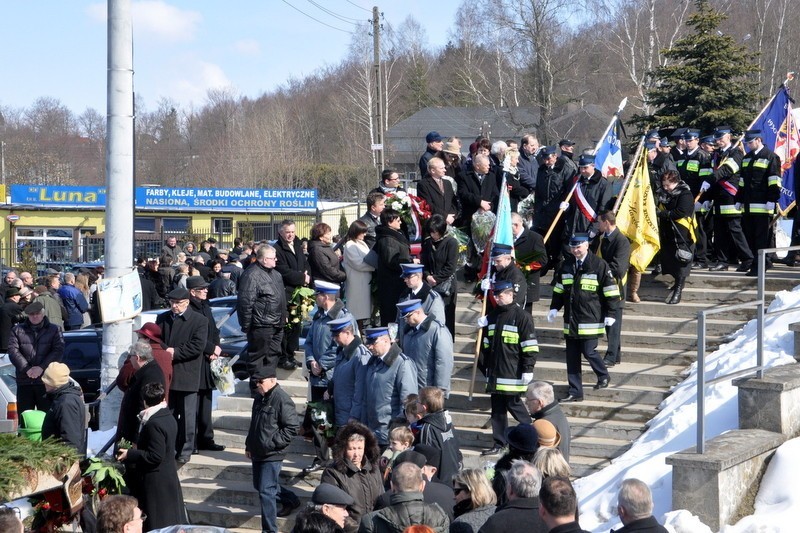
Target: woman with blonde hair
<point x="475" y="500"/>
<point x="551" y="463"/>
<point x="82" y="284"/>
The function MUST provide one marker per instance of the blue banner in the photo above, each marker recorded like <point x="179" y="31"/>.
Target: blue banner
<point x="58" y="196"/>
<point x="777" y="131"/>
<point x="170" y="198"/>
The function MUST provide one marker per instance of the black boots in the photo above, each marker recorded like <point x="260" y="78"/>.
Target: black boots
<point x="677" y="290"/>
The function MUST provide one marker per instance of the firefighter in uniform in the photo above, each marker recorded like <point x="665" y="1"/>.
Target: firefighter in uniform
<point x="507" y="358"/>
<point x="760" y="190"/>
<point x="588" y="292"/>
<point x="695" y="170"/>
<point x="729" y="243"/>
<point x="507" y="270"/>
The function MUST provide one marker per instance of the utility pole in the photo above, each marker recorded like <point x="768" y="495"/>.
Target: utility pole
<point x="378" y="146"/>
<point x="3" y="162"/>
<point x="117" y="336"/>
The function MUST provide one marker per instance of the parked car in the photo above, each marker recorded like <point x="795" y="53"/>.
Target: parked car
<point x="8" y="396"/>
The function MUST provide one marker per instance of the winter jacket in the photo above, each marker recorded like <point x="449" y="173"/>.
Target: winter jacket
<point x="761" y="181"/>
<point x="440" y="202"/>
<point x="660" y="165"/>
<point x="519" y="511"/>
<point x="727" y="182"/>
<point x="320" y="346"/>
<point x="132" y="400"/>
<point x="363" y="484"/>
<point x="441" y="261"/>
<point x="202" y="307"/>
<point x="436" y="429"/>
<point x="221" y="286"/>
<point x="555" y="415"/>
<point x="588" y="296"/>
<point x="392" y="249"/>
<point x="52" y="308"/>
<point x="347" y="385"/>
<point x="66" y="418"/>
<point x="695" y="168"/>
<point x="154" y="460"/>
<point x="432" y="305"/>
<point x="528" y="167"/>
<point x="675" y="207"/>
<point x="469" y="194"/>
<point x="643" y="525"/>
<point x="324" y="263"/>
<point x="513" y="274"/>
<point x="509" y="349"/>
<point x="30" y="346"/>
<point x="187" y="334"/>
<point x="551" y="188"/>
<point x="358" y="288"/>
<point x="597" y="193"/>
<point x="406" y="509"/>
<point x="273" y="424"/>
<point x="10" y="315"/>
<point x="389" y="380"/>
<point x="430" y="346"/>
<point x="262" y="298"/>
<point x="75" y="303"/>
<point x="472" y="520"/>
<point x="528" y="248"/>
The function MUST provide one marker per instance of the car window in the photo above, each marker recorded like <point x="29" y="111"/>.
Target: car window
<point x="81" y="352"/>
<point x="8" y="376"/>
<point x="227" y="322"/>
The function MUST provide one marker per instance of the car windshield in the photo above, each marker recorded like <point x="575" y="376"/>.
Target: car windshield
<point x="8" y="376"/>
<point x="227" y="322"/>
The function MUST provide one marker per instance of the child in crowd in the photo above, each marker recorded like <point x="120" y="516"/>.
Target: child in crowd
<point x="400" y="439"/>
<point x="436" y="430"/>
<point x="414" y="413"/>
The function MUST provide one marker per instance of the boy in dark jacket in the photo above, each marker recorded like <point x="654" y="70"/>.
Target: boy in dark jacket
<point x="273" y="424"/>
<point x="436" y="429"/>
<point x="66" y="418"/>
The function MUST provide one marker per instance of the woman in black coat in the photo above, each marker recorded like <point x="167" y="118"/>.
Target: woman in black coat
<point x="440" y="257"/>
<point x="676" y="229"/>
<point x="392" y="248"/>
<point x="161" y="498"/>
<point x="322" y="260"/>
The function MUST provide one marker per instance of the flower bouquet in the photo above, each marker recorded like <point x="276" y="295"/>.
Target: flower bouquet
<point x="482" y="226"/>
<point x="463" y="240"/>
<point x="322" y="417"/>
<point x="102" y="477"/>
<point x="413" y="211"/>
<point x="221" y="371"/>
<point x="300" y="305"/>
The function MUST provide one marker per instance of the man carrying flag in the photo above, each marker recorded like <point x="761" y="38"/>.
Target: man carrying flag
<point x="759" y="194"/>
<point x="592" y="195"/>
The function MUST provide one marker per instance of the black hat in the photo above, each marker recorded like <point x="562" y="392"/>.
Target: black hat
<point x="410" y="456"/>
<point x="523" y="437"/>
<point x="566" y="142"/>
<point x="433" y="137"/>
<point x="578" y="239"/>
<point x="263" y="373"/>
<point x="751" y="135"/>
<point x="548" y="150"/>
<point x="33" y="308"/>
<point x="586" y="160"/>
<point x="432" y="455"/>
<point x="178" y="294"/>
<point x="195" y="282"/>
<point x="11" y="291"/>
<point x="325" y="493"/>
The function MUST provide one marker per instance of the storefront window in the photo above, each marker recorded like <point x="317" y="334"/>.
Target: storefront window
<point x="222" y="226"/>
<point x="48" y="245"/>
<point x="144" y="225"/>
<point x="175" y="225"/>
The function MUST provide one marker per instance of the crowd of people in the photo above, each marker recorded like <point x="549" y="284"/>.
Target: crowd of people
<point x="378" y="353"/>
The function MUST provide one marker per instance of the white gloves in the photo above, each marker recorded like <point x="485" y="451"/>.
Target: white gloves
<point x="483" y="321"/>
<point x="551" y="315"/>
<point x="563" y="206"/>
<point x="609" y="321"/>
<point x="771" y="206"/>
<point x="527" y="377"/>
<point x="698" y="206"/>
<point x="486" y="284"/>
<point x="738" y="206"/>
<point x="707" y="205"/>
<point x="705" y="186"/>
<point x="592" y="234"/>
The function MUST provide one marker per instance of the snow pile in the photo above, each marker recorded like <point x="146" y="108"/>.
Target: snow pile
<point x="674" y="429"/>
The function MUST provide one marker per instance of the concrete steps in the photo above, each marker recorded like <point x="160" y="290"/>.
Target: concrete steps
<point x="658" y="343"/>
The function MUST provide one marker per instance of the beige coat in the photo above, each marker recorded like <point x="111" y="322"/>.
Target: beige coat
<point x="359" y="275"/>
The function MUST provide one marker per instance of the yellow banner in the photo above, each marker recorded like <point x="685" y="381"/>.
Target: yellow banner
<point x="636" y="217"/>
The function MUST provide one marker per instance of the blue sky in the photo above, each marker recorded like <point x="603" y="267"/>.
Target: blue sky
<point x="182" y="48"/>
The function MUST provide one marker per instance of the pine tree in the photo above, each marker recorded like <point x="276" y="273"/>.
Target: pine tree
<point x="708" y="79"/>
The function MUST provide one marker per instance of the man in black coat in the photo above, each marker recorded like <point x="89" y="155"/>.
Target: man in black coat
<point x="522" y="488"/>
<point x="185" y="333"/>
<point x="10" y="315"/>
<point x="635" y="508"/>
<point x="553" y="180"/>
<point x="198" y="301"/>
<point x="530" y="254"/>
<point x="541" y="402"/>
<point x="437" y="191"/>
<point x="376" y="202"/>
<point x="615" y="249"/>
<point x="470" y="194"/>
<point x="291" y="264"/>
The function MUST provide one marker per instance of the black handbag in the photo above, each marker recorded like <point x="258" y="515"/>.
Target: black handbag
<point x="683" y="254"/>
<point x="445" y="288"/>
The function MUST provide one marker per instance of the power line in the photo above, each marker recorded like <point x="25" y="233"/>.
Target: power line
<point x="315" y="19"/>
<point x="358" y="6"/>
<point x="347" y="20"/>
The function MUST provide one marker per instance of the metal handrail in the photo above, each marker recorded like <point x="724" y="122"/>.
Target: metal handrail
<point x="758" y="303"/>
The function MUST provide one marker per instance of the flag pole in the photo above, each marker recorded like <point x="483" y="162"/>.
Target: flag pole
<point x="611" y="123"/>
<point x="631" y="168"/>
